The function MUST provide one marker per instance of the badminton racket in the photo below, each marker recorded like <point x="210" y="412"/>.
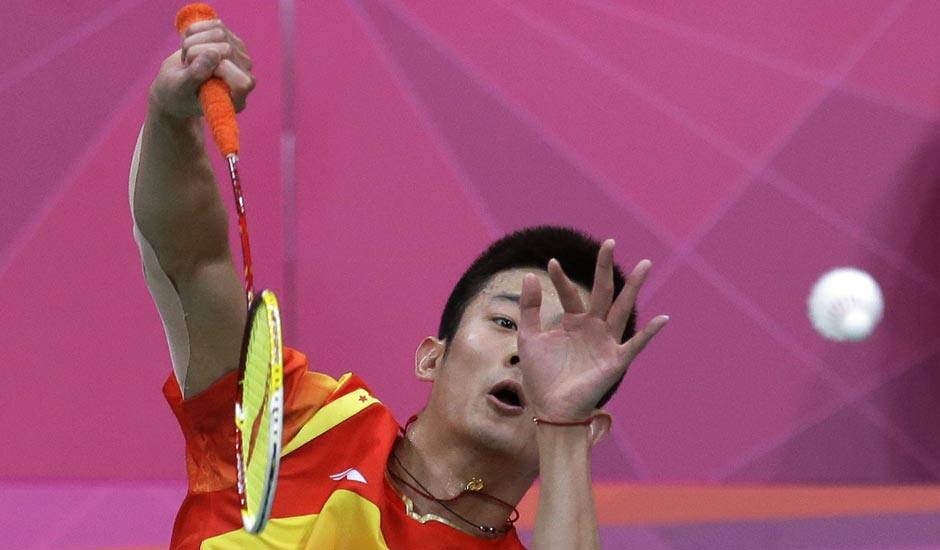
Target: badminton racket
<point x="259" y="401"/>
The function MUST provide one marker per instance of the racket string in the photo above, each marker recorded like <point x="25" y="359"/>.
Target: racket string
<point x="260" y="405"/>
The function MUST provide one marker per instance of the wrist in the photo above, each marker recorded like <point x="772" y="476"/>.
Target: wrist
<point x="551" y="435"/>
<point x="185" y="134"/>
<point x="163" y="108"/>
<point x="562" y="446"/>
<point x="562" y="433"/>
<point x="557" y="417"/>
<point x="157" y="113"/>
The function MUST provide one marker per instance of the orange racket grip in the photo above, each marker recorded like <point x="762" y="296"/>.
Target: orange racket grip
<point x="214" y="95"/>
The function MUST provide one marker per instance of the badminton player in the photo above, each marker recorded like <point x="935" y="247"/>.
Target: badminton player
<point x="534" y="339"/>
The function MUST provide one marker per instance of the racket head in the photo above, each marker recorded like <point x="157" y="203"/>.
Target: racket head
<point x="259" y="411"/>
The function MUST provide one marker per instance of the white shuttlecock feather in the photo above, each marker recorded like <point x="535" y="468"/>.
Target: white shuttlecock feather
<point x="845" y="305"/>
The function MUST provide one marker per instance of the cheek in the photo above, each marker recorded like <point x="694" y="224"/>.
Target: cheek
<point x="472" y="339"/>
<point x="468" y="339"/>
<point x="472" y="350"/>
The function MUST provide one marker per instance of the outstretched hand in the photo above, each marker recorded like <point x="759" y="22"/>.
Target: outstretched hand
<point x="566" y="370"/>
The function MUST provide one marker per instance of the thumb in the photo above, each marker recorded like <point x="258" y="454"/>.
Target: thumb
<point x="201" y="69"/>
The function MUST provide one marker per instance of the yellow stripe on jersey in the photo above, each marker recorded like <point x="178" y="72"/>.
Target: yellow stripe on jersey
<point x="330" y="415"/>
<point x="347" y="520"/>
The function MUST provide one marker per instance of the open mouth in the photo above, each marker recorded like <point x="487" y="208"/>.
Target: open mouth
<point x="508" y="393"/>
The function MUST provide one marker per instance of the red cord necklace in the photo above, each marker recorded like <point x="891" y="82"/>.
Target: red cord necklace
<point x="473" y="487"/>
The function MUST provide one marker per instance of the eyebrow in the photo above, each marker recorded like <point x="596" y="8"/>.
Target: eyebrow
<point x="510" y="297"/>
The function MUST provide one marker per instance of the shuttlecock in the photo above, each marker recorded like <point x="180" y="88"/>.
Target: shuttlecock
<point x="845" y="304"/>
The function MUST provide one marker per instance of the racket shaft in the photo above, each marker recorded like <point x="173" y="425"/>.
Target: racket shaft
<point x="242" y="226"/>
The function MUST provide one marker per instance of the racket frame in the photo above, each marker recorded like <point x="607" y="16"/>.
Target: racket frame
<point x="254" y="522"/>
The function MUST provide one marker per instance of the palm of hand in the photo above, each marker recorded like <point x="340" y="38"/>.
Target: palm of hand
<point x="572" y="367"/>
<point x="566" y="370"/>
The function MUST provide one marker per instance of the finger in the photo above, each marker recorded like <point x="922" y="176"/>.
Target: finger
<point x="232" y="46"/>
<point x="233" y="38"/>
<point x="602" y="293"/>
<point x="200" y="26"/>
<point x="632" y="347"/>
<point x="224" y="49"/>
<point x="199" y="71"/>
<point x="619" y="314"/>
<point x="201" y="37"/>
<point x="215" y="35"/>
<point x="240" y="54"/>
<point x="240" y="57"/>
<point x="567" y="290"/>
<point x="240" y="83"/>
<point x="244" y="61"/>
<point x="530" y="303"/>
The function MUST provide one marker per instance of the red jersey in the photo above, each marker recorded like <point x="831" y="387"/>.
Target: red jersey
<point x="333" y="490"/>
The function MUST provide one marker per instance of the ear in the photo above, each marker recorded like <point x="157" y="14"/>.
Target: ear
<point x="600" y="426"/>
<point x="428" y="358"/>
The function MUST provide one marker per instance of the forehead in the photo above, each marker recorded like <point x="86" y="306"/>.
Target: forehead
<point x="509" y="283"/>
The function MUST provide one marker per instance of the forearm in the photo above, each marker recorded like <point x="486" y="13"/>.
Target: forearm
<point x="566" y="518"/>
<point x="176" y="202"/>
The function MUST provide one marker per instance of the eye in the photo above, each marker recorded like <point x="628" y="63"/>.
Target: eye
<point x="505" y="323"/>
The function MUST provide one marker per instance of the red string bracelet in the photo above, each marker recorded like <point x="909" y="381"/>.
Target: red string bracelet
<point x="538" y="420"/>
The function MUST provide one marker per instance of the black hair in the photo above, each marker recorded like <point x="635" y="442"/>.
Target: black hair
<point x="532" y="247"/>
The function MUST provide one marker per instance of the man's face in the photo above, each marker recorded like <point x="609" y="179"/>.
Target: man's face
<point x="481" y="356"/>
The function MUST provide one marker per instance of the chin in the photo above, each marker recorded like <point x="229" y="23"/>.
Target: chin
<point x="502" y="437"/>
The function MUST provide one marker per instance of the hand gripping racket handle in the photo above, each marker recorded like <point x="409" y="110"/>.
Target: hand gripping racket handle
<point x="214" y="95"/>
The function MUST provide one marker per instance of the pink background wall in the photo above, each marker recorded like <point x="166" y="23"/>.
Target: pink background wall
<point x="744" y="147"/>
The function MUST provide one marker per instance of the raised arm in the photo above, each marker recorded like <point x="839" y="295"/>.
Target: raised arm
<point x="565" y="372"/>
<point x="180" y="222"/>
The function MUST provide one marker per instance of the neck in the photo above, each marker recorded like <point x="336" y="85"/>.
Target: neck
<point x="443" y="464"/>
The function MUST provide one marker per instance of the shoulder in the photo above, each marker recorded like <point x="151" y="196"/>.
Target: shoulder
<point x="350" y="396"/>
<point x="308" y="395"/>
